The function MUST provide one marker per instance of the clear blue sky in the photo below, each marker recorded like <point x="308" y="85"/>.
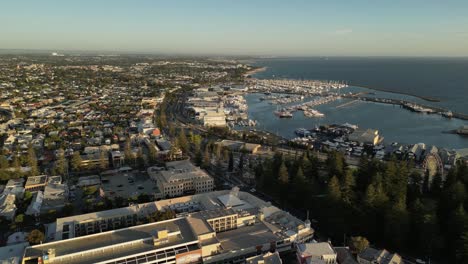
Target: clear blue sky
<point x="286" y="27"/>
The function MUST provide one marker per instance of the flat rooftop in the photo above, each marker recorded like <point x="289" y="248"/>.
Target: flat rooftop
<point x="115" y="244"/>
<point x="34" y="180"/>
<point x="246" y="237"/>
<point x="217" y="213"/>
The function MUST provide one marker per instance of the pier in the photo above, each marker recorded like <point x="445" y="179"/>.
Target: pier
<point x="409" y="105"/>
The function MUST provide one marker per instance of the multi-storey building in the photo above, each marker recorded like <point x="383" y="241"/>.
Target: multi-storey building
<point x="181" y="178"/>
<point x="223" y="227"/>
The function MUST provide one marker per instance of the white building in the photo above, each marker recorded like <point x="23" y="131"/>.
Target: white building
<point x="316" y="253"/>
<point x="181" y="177"/>
<point x="7" y="206"/>
<point x="34" y="207"/>
<point x="255" y="228"/>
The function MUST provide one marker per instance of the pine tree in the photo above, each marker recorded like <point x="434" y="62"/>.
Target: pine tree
<point x="369" y="198"/>
<point x="128" y="153"/>
<point x="299" y="187"/>
<point x="207" y="158"/>
<point x="76" y="161"/>
<point x="183" y="143"/>
<point x="231" y="162"/>
<point x="334" y="189"/>
<point x="152" y="153"/>
<point x="436" y="186"/>
<point x="283" y="174"/>
<point x="61" y="163"/>
<point x="347" y="187"/>
<point x="140" y="159"/>
<point x="32" y="160"/>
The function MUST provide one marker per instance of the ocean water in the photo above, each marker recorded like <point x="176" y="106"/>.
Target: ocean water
<point x="444" y="79"/>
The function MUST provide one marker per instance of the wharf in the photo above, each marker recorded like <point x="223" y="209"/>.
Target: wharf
<point x="407" y="104"/>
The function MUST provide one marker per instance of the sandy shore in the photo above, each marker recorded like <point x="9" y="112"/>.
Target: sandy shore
<point x="254" y="71"/>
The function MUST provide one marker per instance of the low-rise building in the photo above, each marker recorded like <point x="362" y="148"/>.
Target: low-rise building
<point x="55" y="197"/>
<point x="215" y="118"/>
<point x="344" y="256"/>
<point x="375" y="256"/>
<point x="239" y="146"/>
<point x="366" y="136"/>
<point x="268" y="258"/>
<point x="12" y="254"/>
<point x="35" y="183"/>
<point x="15" y="186"/>
<point x="8" y="206"/>
<point x="86" y="181"/>
<point x="315" y="253"/>
<point x="34" y="207"/>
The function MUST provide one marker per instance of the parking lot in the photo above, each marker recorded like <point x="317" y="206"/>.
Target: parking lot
<point x="128" y="184"/>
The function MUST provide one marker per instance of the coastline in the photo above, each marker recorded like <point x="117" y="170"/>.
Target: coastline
<point x="425" y="98"/>
<point x="255" y="71"/>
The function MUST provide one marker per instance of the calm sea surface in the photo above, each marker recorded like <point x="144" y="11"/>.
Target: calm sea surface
<point x="443" y="79"/>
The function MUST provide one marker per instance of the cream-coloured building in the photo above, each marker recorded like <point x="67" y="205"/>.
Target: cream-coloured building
<point x="181" y="178"/>
<point x="368" y="136"/>
<point x="251" y="227"/>
<point x="316" y="253"/>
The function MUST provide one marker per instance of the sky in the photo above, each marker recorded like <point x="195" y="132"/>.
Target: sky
<point x="240" y="27"/>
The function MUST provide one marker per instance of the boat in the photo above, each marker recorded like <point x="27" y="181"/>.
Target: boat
<point x="302" y="132"/>
<point x="283" y="114"/>
<point x="448" y="114"/>
<point x="313" y="113"/>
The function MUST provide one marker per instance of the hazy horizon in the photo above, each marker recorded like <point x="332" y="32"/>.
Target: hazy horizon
<point x="362" y="28"/>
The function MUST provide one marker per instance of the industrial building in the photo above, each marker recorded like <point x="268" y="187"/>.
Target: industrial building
<point x="214" y="227"/>
<point x="366" y="136"/>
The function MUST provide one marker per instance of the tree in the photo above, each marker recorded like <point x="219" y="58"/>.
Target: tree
<point x="231" y="162"/>
<point x="283" y="174"/>
<point x="183" y="143"/>
<point x="462" y="248"/>
<point x="3" y="161"/>
<point x="347" y="187"/>
<point x="35" y="237"/>
<point x="27" y="196"/>
<point x="335" y="164"/>
<point x="32" y="160"/>
<point x="19" y="219"/>
<point x="358" y="244"/>
<point x="15" y="163"/>
<point x="140" y="160"/>
<point x="206" y="158"/>
<point x="103" y="160"/>
<point x="128" y="153"/>
<point x="300" y="187"/>
<point x="152" y="154"/>
<point x="61" y="163"/>
<point x="334" y="189"/>
<point x="76" y="161"/>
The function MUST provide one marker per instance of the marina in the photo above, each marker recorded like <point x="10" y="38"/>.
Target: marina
<point x="398" y="124"/>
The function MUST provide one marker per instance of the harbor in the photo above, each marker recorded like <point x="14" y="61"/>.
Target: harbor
<point x="397" y="123"/>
